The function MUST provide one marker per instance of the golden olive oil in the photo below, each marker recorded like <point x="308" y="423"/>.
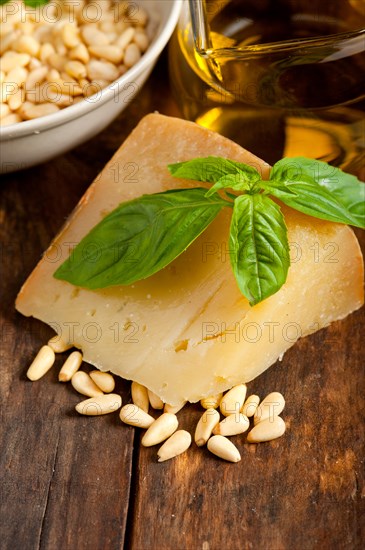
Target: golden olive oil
<point x="258" y="83"/>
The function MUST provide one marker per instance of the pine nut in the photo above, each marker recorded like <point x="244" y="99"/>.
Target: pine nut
<point x="41" y="364"/>
<point x="224" y="448"/>
<point x="13" y="118"/>
<point x="45" y="51"/>
<point x="4" y="110"/>
<point x="211" y="402"/>
<point x="125" y="38"/>
<point x="173" y="409"/>
<point x="140" y="396"/>
<point x="70" y="35"/>
<point x="70" y="368"/>
<point x="110" y="53"/>
<point x="134" y="416"/>
<point x="80" y="53"/>
<point x="17" y="76"/>
<point x="29" y="112"/>
<point x="161" y="429"/>
<point x="271" y="406"/>
<point x="266" y="430"/>
<point x="11" y="59"/>
<point x="155" y="401"/>
<point x="102" y="69"/>
<point x="57" y="61"/>
<point x="140" y="17"/>
<point x="104" y="380"/>
<point x="58" y="344"/>
<point x="36" y="41"/>
<point x="175" y="445"/>
<point x="131" y="55"/>
<point x="233" y="424"/>
<point x="141" y="39"/>
<point x="53" y="75"/>
<point x="102" y="404"/>
<point x="83" y="384"/>
<point x="233" y="400"/>
<point x="76" y="69"/>
<point x="67" y="88"/>
<point x="35" y="77"/>
<point x="27" y="44"/>
<point x="250" y="406"/>
<point x="205" y="426"/>
<point x="15" y="100"/>
<point x="7" y="40"/>
<point x="93" y="37"/>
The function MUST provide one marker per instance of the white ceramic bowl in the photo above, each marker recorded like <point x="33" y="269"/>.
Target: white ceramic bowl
<point x="32" y="142"/>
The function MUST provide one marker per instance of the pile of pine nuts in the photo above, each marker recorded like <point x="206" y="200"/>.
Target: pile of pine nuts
<point x="65" y="51"/>
<point x="237" y="409"/>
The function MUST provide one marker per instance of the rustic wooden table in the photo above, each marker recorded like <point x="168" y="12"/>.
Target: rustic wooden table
<point x="77" y="483"/>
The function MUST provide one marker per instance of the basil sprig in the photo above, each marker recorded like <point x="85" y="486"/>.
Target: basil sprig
<point x="142" y="236"/>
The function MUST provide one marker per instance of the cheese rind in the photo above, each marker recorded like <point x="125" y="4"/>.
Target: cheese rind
<point x="187" y="332"/>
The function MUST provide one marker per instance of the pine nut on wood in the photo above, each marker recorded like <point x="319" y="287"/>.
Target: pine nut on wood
<point x="250" y="405"/>
<point x="102" y="404"/>
<point x="58" y="344"/>
<point x="155" y="401"/>
<point x="224" y="448"/>
<point x="175" y="445"/>
<point x="211" y="402"/>
<point x="205" y="426"/>
<point x="134" y="416"/>
<point x="266" y="430"/>
<point x="173" y="409"/>
<point x="83" y="384"/>
<point x="104" y="380"/>
<point x="161" y="429"/>
<point x="233" y="424"/>
<point x="70" y="367"/>
<point x="140" y="396"/>
<point x="41" y="364"/>
<point x="271" y="406"/>
<point x="233" y="400"/>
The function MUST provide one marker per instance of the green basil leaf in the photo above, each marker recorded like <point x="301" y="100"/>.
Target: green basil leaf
<point x="35" y="3"/>
<point x="139" y="238"/>
<point x="237" y="182"/>
<point x="212" y="169"/>
<point x="320" y="190"/>
<point x="259" y="247"/>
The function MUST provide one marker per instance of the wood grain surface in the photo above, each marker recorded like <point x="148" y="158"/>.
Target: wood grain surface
<point x="74" y="483"/>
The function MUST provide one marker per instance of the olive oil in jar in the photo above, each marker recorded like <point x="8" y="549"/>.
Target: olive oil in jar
<point x="280" y="77"/>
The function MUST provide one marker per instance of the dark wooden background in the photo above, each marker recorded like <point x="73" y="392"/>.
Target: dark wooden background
<point x="75" y="483"/>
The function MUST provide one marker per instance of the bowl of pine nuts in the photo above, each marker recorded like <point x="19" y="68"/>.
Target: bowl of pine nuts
<point x="69" y="67"/>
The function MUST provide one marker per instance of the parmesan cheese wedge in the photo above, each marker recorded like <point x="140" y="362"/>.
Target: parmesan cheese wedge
<point x="187" y="332"/>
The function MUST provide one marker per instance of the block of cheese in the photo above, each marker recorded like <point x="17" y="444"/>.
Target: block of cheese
<point x="187" y="332"/>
